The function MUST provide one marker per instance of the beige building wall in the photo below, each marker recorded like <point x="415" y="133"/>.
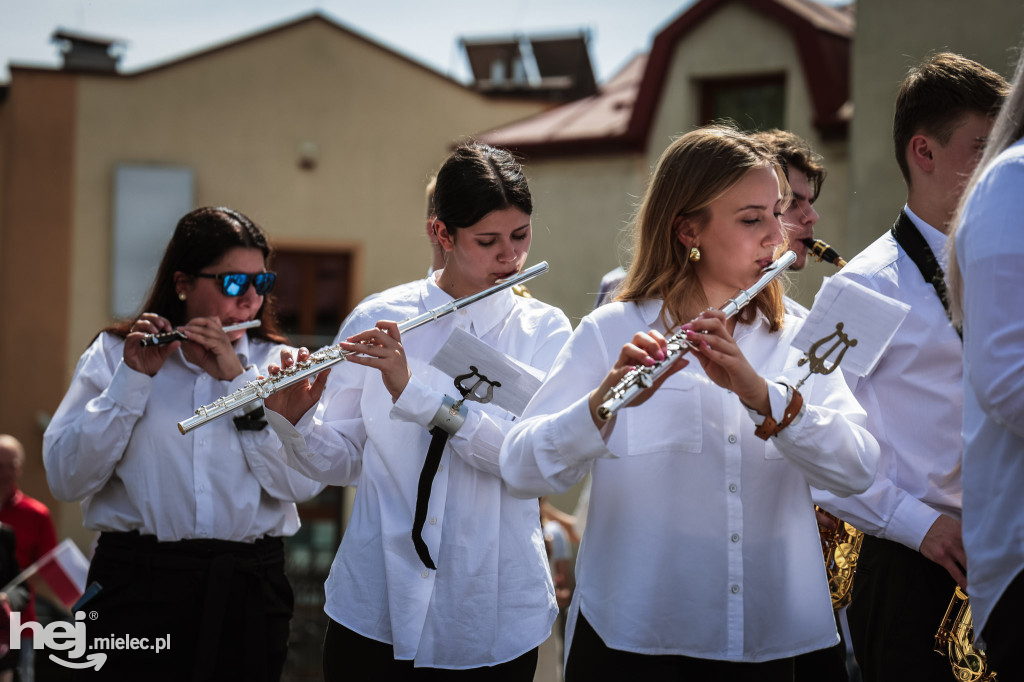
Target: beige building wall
<point x="739" y="41"/>
<point x="581" y="209"/>
<point x="381" y="125"/>
<point x="587" y="202"/>
<point x="891" y="37"/>
<point x="35" y="214"/>
<point x="236" y="116"/>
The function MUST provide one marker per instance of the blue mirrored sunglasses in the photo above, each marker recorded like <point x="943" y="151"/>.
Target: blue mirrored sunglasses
<point x="237" y="283"/>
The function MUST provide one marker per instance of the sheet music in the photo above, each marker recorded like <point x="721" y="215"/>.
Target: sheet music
<point x="867" y="316"/>
<point x="518" y="380"/>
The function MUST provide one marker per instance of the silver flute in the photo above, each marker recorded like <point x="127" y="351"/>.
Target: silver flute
<point x="641" y="378"/>
<point x="332" y="355"/>
<point x="178" y="335"/>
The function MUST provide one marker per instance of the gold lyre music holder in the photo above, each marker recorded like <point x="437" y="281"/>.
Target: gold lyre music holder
<point x="818" y="362"/>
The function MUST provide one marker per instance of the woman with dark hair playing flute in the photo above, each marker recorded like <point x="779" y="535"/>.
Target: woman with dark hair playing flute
<point x="701" y="558"/>
<point x="191" y="528"/>
<point x="441" y="573"/>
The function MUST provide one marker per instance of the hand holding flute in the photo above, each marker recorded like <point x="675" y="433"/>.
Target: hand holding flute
<point x="178" y="335"/>
<point x="152" y="339"/>
<point x="379" y="347"/>
<point x="721" y="358"/>
<point x="713" y="345"/>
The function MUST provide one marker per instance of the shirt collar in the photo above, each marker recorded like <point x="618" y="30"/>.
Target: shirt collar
<point x="650" y="311"/>
<point x="484" y="315"/>
<point x="936" y="239"/>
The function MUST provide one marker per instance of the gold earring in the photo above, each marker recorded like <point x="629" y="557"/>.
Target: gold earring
<point x="181" y="296"/>
<point x="694" y="254"/>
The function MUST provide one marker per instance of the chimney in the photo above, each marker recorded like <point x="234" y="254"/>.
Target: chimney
<point x="87" y="53"/>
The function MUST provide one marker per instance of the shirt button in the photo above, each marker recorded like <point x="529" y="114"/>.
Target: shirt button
<point x="440" y="467"/>
<point x="733" y="487"/>
<point x="433" y="520"/>
<point x="732" y="438"/>
<point x="735" y="589"/>
<point x="425" y="573"/>
<point x="735" y="537"/>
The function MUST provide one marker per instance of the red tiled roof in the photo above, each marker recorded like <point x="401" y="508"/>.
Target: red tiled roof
<point x="619" y="117"/>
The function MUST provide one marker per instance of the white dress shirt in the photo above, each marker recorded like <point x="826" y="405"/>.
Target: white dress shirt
<point x="914" y="401"/>
<point x="491" y="598"/>
<point x="990" y="250"/>
<point x="701" y="538"/>
<point x="114" y="444"/>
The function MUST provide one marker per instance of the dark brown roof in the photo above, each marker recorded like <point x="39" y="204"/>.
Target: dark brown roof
<point x="620" y="116"/>
<point x="588" y="124"/>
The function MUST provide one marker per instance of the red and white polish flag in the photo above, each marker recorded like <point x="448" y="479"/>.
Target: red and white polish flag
<point x="64" y="570"/>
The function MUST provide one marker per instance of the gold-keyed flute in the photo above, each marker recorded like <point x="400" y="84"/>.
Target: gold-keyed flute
<point x="641" y="378"/>
<point x="332" y="355"/>
<point x="824" y="252"/>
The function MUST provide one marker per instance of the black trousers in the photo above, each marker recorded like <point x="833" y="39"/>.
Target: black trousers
<point x="899" y="600"/>
<point x="350" y="656"/>
<point x="221" y="609"/>
<point x="1004" y="633"/>
<point x="591" y="659"/>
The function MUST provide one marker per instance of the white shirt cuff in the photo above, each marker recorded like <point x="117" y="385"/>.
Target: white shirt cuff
<point x="910" y="522"/>
<point x="418" y="403"/>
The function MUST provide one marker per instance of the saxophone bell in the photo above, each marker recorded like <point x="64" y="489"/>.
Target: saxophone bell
<point x="955" y="639"/>
<point x="840" y="546"/>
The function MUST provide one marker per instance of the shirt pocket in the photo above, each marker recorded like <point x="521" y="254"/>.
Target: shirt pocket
<point x="670" y="421"/>
<point x="770" y="451"/>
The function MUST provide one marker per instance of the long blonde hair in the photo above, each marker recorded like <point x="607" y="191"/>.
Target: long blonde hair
<point x="693" y="172"/>
<point x="1007" y="129"/>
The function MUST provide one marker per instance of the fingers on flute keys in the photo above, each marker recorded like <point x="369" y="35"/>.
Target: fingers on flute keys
<point x="646" y="348"/>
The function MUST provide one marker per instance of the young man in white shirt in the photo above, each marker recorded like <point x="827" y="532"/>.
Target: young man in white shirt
<point x="913" y="556"/>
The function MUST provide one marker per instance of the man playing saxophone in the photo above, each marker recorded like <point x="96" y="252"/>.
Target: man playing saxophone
<point x="806" y="174"/>
<point x="913" y="557"/>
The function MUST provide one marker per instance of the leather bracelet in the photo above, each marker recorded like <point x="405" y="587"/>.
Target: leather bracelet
<point x="450" y="416"/>
<point x="769" y="427"/>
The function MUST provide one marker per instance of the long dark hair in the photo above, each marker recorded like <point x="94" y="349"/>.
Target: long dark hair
<point x="202" y="237"/>
<point x="476" y="179"/>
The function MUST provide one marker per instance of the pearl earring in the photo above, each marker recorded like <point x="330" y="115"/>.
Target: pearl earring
<point x="181" y="296"/>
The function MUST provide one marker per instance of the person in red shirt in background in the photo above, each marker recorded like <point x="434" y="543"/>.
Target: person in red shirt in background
<point x="33" y="530"/>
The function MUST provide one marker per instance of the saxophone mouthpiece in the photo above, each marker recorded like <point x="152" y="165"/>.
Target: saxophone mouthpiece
<point x="824" y="252"/>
